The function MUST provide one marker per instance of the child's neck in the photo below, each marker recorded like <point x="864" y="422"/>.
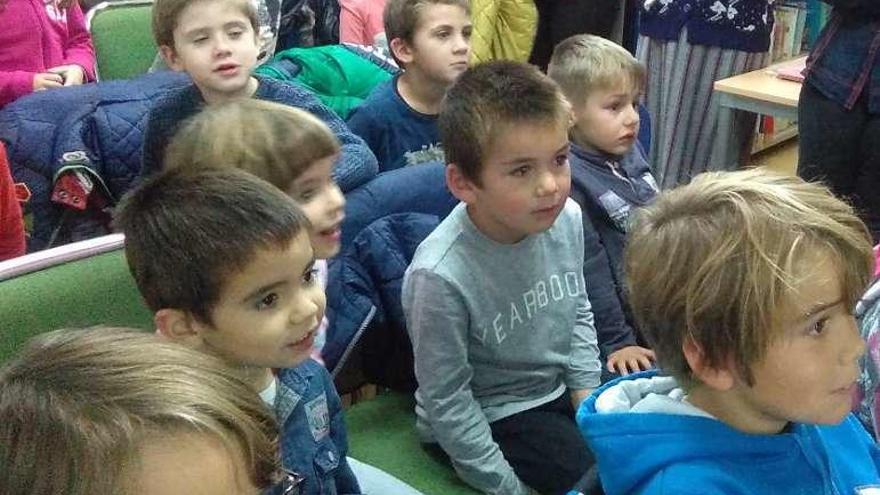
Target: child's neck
<point x="732" y="409"/>
<point x="258" y="378"/>
<point x="421" y="93"/>
<point x="247" y="91"/>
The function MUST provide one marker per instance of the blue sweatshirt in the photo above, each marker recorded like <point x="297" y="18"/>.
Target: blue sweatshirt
<point x="649" y="440"/>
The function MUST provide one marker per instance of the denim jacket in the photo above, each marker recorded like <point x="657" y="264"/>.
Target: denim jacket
<point x="743" y="25"/>
<point x="313" y="438"/>
<point x="843" y="65"/>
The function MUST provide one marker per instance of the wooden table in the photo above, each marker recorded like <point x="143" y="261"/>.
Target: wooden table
<point x="758" y="91"/>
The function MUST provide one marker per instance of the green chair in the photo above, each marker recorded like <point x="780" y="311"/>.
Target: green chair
<point x="88" y="283"/>
<point x="123" y="38"/>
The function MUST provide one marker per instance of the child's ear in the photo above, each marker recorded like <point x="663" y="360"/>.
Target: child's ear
<point x="178" y="326"/>
<point x="170" y="57"/>
<point x="459" y="185"/>
<point x="721" y="379"/>
<point x="401" y="50"/>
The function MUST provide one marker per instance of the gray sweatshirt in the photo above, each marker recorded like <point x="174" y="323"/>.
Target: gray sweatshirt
<point x="496" y="329"/>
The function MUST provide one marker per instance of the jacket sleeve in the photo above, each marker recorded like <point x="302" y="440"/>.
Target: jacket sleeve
<point x="584" y="369"/>
<point x="346" y="483"/>
<point x="437" y="320"/>
<point x="612" y="330"/>
<point x="154" y="143"/>
<point x="356" y="164"/>
<point x="79" y="49"/>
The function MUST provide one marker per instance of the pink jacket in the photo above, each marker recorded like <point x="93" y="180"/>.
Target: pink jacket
<point x="36" y="36"/>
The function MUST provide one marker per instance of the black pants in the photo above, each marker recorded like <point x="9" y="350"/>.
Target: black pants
<point x="842" y="148"/>
<point x="545" y="447"/>
<point x="559" y="19"/>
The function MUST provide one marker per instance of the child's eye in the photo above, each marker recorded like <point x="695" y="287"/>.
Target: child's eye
<point x="311" y="276"/>
<point x="521" y="171"/>
<point x="562" y="160"/>
<point x="443" y="35"/>
<point x="235" y="34"/>
<point x="268" y="301"/>
<point x="467" y="33"/>
<point x="818" y="327"/>
<point x="200" y="39"/>
<point x="307" y="195"/>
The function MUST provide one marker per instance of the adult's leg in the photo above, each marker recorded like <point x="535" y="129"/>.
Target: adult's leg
<point x="544" y="446"/>
<point x="866" y="197"/>
<point x="830" y="141"/>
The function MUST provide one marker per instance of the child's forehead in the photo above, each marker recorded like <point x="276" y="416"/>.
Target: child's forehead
<point x="193" y="15"/>
<point x="521" y="140"/>
<point x="269" y="263"/>
<point x="430" y="14"/>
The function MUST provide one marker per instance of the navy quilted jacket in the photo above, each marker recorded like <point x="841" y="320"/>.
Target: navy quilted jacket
<point x="96" y="126"/>
<point x="386" y="219"/>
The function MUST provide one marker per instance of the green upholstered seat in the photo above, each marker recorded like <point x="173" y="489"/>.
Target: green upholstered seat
<point x="123" y="39"/>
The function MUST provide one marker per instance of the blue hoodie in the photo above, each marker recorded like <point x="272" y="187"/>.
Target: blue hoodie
<point x="648" y="440"/>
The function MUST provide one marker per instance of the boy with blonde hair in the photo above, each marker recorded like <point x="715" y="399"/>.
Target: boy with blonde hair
<point x="610" y="178"/>
<point x="503" y="338"/>
<point x="744" y="283"/>
<point x="215" y="43"/>
<point x="430" y="40"/>
<point x="103" y="411"/>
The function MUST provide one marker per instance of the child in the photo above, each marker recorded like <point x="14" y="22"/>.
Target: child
<point x="11" y="222"/>
<point x="744" y="284"/>
<point x="430" y="40"/>
<point x="287" y="147"/>
<point x="43" y="45"/>
<point x="214" y="41"/>
<point x="610" y="176"/>
<point x="503" y="337"/>
<point x="102" y="411"/>
<point x="250" y="295"/>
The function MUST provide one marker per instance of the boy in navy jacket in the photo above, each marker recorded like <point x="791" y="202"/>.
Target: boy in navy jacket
<point x="609" y="175"/>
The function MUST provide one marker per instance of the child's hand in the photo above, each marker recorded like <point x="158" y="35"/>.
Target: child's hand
<point x="630" y="359"/>
<point x="45" y="80"/>
<point x="73" y="74"/>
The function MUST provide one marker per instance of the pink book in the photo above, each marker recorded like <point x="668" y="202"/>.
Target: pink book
<point x="793" y="71"/>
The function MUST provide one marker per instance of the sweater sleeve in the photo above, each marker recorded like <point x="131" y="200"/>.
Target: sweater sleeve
<point x="79" y="49"/>
<point x="584" y="369"/>
<point x="15" y="84"/>
<point x="437" y="320"/>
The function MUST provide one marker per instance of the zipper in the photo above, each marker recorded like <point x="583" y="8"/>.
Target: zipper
<point x="354" y="340"/>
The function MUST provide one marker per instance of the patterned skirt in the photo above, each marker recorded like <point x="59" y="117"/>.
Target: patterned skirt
<point x="684" y="109"/>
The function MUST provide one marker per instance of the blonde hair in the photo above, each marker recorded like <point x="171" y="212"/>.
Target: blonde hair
<point x="584" y="62"/>
<point x="275" y="142"/>
<point x="76" y="405"/>
<point x="715" y="260"/>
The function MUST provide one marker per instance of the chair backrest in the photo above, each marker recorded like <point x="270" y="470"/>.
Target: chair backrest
<point x="123" y="39"/>
<point x="81" y="284"/>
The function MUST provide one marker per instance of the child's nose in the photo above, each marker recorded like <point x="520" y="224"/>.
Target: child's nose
<point x="304" y="308"/>
<point x="854" y="345"/>
<point x="547" y="184"/>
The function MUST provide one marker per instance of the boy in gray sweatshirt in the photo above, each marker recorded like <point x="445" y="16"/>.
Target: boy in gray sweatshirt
<point x="503" y="337"/>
